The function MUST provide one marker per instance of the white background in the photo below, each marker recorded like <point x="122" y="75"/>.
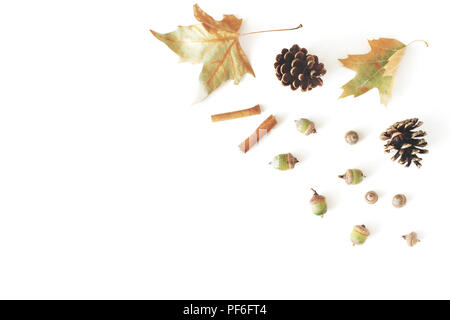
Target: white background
<point x="113" y="185"/>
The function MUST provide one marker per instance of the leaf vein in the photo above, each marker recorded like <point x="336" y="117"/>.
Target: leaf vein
<point x="221" y="62"/>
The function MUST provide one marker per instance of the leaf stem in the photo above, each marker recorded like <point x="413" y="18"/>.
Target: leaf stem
<point x="426" y="43"/>
<point x="276" y="30"/>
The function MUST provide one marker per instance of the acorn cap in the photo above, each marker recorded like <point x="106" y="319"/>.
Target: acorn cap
<point x="291" y="160"/>
<point x="351" y="137"/>
<point x="347" y="176"/>
<point x="284" y="161"/>
<point x="411" y="239"/>
<point x="371" y="197"/>
<point x="399" y="200"/>
<point x="362" y="230"/>
<point x="311" y="129"/>
<point x="316" y="198"/>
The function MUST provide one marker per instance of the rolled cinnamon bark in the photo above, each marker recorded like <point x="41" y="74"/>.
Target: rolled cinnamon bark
<point x="260" y="132"/>
<point x="236" y="114"/>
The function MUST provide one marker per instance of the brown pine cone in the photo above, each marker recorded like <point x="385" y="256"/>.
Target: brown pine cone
<point x="406" y="142"/>
<point x="298" y="69"/>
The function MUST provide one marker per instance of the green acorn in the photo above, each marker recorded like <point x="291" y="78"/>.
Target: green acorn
<point x="353" y="176"/>
<point x="284" y="161"/>
<point x="318" y="204"/>
<point x="305" y="126"/>
<point x="359" y="235"/>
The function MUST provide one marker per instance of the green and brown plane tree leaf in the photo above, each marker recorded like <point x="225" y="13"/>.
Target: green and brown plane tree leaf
<point x="216" y="45"/>
<point x="375" y="69"/>
<point x="213" y="43"/>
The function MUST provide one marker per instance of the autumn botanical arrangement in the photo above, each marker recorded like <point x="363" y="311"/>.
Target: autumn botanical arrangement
<point x="216" y="45"/>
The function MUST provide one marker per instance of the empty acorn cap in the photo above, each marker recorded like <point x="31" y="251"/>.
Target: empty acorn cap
<point x="399" y="200"/>
<point x="411" y="239"/>
<point x="371" y="197"/>
<point x="351" y="137"/>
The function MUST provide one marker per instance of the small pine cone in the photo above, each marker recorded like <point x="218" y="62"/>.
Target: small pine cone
<point x="298" y="69"/>
<point x="406" y="142"/>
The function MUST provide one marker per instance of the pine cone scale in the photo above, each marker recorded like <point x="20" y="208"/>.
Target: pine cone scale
<point x="418" y="134"/>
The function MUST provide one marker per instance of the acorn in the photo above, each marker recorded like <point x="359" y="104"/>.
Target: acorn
<point x="371" y="197"/>
<point x="359" y="235"/>
<point x="351" y="137"/>
<point x="352" y="176"/>
<point x="305" y="126"/>
<point x="284" y="161"/>
<point x="399" y="200"/>
<point x="318" y="204"/>
<point x="411" y="239"/>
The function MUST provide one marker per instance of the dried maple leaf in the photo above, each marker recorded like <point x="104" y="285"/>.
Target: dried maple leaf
<point x="213" y="43"/>
<point x="375" y="69"/>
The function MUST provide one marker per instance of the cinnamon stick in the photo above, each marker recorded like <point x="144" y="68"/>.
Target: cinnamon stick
<point x="236" y="114"/>
<point x="260" y="132"/>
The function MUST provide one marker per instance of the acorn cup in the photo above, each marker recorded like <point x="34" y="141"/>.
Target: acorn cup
<point x="284" y="161"/>
<point x="399" y="200"/>
<point x="351" y="137"/>
<point x="318" y="204"/>
<point x="371" y="197"/>
<point x="411" y="239"/>
<point x="353" y="176"/>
